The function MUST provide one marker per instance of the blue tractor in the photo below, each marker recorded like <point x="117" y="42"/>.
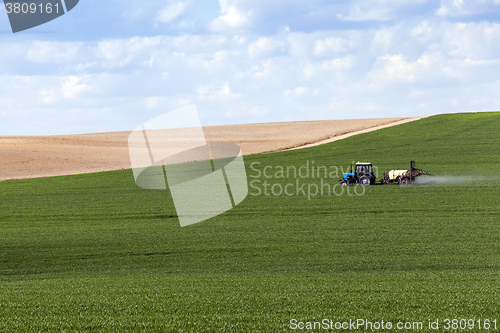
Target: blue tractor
<point x="362" y="175"/>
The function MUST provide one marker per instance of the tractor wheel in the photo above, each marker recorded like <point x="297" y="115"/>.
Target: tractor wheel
<point x="343" y="183"/>
<point x="365" y="181"/>
<point x="404" y="181"/>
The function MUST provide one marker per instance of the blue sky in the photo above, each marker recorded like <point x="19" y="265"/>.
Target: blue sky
<point x="111" y="65"/>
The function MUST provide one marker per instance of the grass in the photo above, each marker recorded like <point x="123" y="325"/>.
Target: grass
<point x="96" y="253"/>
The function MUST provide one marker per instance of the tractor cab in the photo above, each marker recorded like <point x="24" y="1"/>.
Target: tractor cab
<point x="362" y="174"/>
<point x="364" y="169"/>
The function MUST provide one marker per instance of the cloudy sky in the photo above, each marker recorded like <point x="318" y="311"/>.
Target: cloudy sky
<point x="111" y="65"/>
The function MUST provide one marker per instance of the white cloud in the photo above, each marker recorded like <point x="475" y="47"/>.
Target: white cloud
<point x="153" y="101"/>
<point x="46" y="90"/>
<point x="385" y="38"/>
<point x="376" y="10"/>
<point x="396" y="68"/>
<point x="210" y="92"/>
<point x="456" y="8"/>
<point x="162" y="103"/>
<point x="171" y="11"/>
<point x="423" y="29"/>
<point x="299" y="91"/>
<point x="110" y="49"/>
<point x="359" y="13"/>
<point x="265" y="47"/>
<point x="138" y="10"/>
<point x="54" y="52"/>
<point x="209" y="62"/>
<point x="337" y="64"/>
<point x="333" y="45"/>
<point x="451" y="7"/>
<point x="232" y="16"/>
<point x="300" y="45"/>
<point x="116" y="48"/>
<point x="471" y="40"/>
<point x="73" y="85"/>
<point x="325" y="43"/>
<point x="322" y="68"/>
<point x="120" y="52"/>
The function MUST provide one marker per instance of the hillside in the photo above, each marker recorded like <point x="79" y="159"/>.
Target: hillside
<point x="24" y="157"/>
<point x="95" y="252"/>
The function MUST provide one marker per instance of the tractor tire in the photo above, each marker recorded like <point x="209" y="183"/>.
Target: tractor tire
<point x="344" y="183"/>
<point x="364" y="181"/>
<point x="404" y="181"/>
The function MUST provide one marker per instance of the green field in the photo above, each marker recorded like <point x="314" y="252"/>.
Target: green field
<point x="96" y="253"/>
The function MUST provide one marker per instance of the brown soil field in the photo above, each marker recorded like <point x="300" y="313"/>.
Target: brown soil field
<point x="44" y="156"/>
